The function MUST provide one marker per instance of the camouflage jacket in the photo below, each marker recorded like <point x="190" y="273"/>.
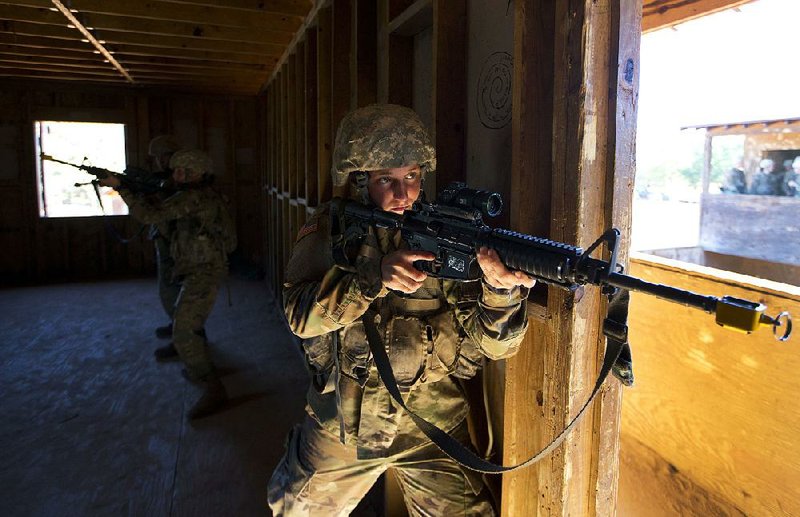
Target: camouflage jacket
<point x="767" y="184"/>
<point x="434" y="336"/>
<point x="201" y="228"/>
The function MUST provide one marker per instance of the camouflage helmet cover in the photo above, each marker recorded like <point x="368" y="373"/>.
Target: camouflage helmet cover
<point x="380" y="136"/>
<point x="193" y="159"/>
<point x="163" y="144"/>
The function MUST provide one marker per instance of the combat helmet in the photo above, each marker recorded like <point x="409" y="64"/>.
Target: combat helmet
<point x="163" y="144"/>
<point x="193" y="159"/>
<point x="380" y="136"/>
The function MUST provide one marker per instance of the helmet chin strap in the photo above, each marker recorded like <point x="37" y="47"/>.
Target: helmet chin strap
<point x="359" y="180"/>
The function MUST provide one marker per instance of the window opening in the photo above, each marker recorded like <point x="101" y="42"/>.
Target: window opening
<point x="90" y="143"/>
<point x="710" y="104"/>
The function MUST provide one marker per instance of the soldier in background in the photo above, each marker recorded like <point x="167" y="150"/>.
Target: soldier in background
<point x="791" y="185"/>
<point x="767" y="181"/>
<point x="202" y="235"/>
<point x="734" y="180"/>
<point x="436" y="331"/>
<point x="161" y="149"/>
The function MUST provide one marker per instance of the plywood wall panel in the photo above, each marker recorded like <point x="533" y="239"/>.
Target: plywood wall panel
<point x="713" y="403"/>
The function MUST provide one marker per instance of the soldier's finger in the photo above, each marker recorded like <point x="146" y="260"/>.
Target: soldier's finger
<point x="411" y="256"/>
<point x="525" y="280"/>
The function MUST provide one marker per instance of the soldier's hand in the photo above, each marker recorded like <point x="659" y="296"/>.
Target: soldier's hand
<point x="497" y="275"/>
<point x="110" y="181"/>
<point x="398" y="272"/>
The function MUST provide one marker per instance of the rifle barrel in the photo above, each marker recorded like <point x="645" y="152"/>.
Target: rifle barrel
<point x="666" y="292"/>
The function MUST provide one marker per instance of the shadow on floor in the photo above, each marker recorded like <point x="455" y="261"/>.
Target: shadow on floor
<point x="91" y="424"/>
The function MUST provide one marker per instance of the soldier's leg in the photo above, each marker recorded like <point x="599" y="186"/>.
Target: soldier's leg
<point x="168" y="287"/>
<point x="319" y="476"/>
<point x="198" y="292"/>
<point x="434" y="484"/>
<point x="195" y="302"/>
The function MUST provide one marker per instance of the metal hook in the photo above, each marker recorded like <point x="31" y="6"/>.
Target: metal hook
<point x="777" y="323"/>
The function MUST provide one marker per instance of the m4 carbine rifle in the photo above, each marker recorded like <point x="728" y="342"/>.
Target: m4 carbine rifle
<point x="452" y="229"/>
<point x="134" y="178"/>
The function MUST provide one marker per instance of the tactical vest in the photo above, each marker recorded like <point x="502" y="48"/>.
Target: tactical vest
<point x="197" y="239"/>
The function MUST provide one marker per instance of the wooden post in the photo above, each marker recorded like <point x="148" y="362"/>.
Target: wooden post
<point x="707" y="162"/>
<point x="449" y="89"/>
<point x="324" y="117"/>
<point x="590" y="49"/>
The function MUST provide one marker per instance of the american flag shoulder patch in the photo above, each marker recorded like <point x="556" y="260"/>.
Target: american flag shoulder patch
<point x="309" y="227"/>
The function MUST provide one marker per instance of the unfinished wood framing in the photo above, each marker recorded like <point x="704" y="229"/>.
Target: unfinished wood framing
<point x="585" y="146"/>
<point x="202" y="36"/>
<point x="311" y="137"/>
<point x="449" y="89"/>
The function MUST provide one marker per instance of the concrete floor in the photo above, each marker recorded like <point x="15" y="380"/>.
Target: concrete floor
<point x="91" y="424"/>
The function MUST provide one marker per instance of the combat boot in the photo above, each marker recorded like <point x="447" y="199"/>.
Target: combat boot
<point x="165" y="354"/>
<point x="164" y="332"/>
<point x="213" y="399"/>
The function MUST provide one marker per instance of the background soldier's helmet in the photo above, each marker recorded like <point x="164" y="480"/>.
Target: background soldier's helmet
<point x="164" y="144"/>
<point x="380" y="136"/>
<point x="193" y="159"/>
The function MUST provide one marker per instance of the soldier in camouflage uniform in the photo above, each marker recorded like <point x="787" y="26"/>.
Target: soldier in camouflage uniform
<point x="202" y="237"/>
<point x="791" y="185"/>
<point x="435" y="331"/>
<point x="161" y="149"/>
<point x="767" y="181"/>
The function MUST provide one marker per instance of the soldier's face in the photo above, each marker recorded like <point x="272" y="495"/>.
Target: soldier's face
<point x="183" y="175"/>
<point x="395" y="190"/>
<point x="161" y="161"/>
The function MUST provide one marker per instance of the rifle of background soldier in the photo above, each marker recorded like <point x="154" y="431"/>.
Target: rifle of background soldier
<point x="452" y="230"/>
<point x="134" y="178"/>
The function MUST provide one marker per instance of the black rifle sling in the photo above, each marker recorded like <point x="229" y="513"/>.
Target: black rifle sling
<point x="615" y="328"/>
<point x="109" y="227"/>
<point x="449" y="445"/>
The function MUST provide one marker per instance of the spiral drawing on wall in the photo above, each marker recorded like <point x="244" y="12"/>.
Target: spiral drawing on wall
<point x="494" y="90"/>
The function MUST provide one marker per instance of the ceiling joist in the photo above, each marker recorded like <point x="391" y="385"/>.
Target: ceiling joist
<point x="220" y="45"/>
<point x="182" y="12"/>
<point x="100" y="22"/>
<point x="88" y="35"/>
<point x="209" y="45"/>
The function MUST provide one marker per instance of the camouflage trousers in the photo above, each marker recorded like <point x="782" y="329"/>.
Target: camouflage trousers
<point x="318" y="475"/>
<point x="192" y="308"/>
<point x="168" y="287"/>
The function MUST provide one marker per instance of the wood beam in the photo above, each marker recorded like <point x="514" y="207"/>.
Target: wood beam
<point x="659" y="14"/>
<point x="102" y="22"/>
<point x="290" y="7"/>
<point x="311" y="137"/>
<point x="178" y="12"/>
<point x="54" y="62"/>
<point x="449" y="96"/>
<point x="325" y="132"/>
<point x="71" y="75"/>
<point x="135" y="51"/>
<point x="112" y="38"/>
<point x="88" y="35"/>
<point x="581" y="58"/>
<point x="365" y="87"/>
<point x="49" y="53"/>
